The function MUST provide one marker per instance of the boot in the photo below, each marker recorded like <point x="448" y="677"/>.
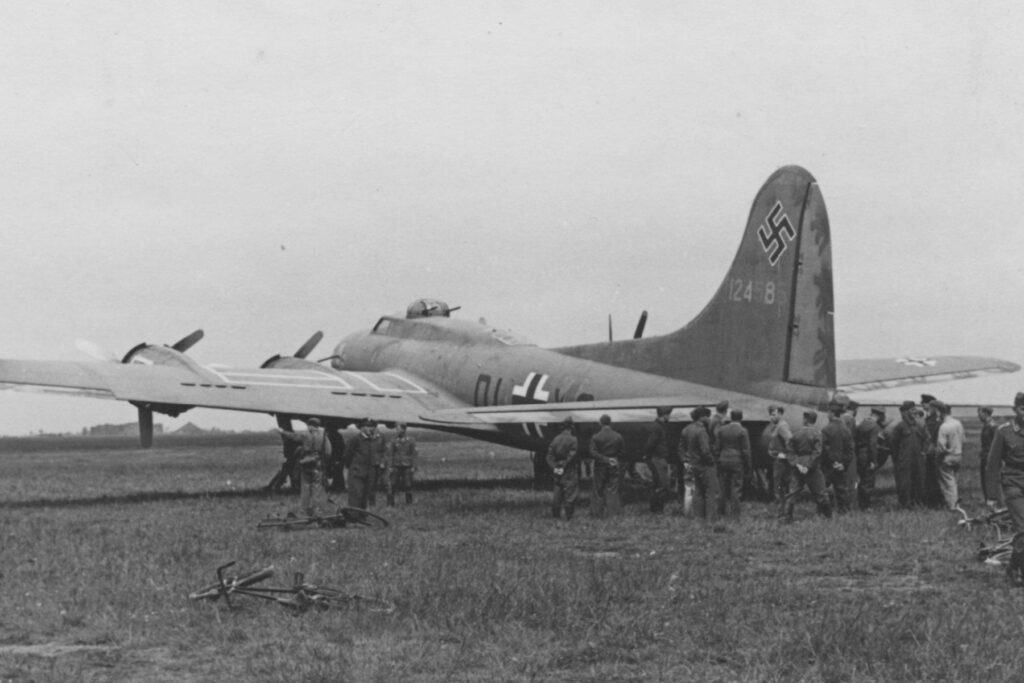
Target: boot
<point x="1015" y="567"/>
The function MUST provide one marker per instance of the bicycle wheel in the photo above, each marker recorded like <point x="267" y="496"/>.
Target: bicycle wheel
<point x="286" y="523"/>
<point x="229" y="585"/>
<point x="321" y="598"/>
<point x="359" y="517"/>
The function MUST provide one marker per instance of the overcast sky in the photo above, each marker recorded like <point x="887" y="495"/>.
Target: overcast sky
<point x="265" y="170"/>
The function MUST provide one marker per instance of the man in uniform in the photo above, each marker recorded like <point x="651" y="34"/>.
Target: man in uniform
<point x="563" y="461"/>
<point x="988" y="432"/>
<point x="313" y="450"/>
<point x="908" y="443"/>
<point x="720" y="418"/>
<point x="865" y="442"/>
<point x="606" y="447"/>
<point x="949" y="450"/>
<point x="695" y="453"/>
<point x="732" y="457"/>
<point x="779" y="435"/>
<point x="932" y="495"/>
<point x="364" y="453"/>
<point x="805" y="455"/>
<point x="656" y="456"/>
<point x="837" y="455"/>
<point x="1006" y="467"/>
<point x="400" y="464"/>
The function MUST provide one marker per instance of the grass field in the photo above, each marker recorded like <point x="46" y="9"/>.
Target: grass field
<point x="101" y="547"/>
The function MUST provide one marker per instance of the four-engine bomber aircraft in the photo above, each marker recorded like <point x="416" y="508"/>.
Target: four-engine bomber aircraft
<point x="765" y="337"/>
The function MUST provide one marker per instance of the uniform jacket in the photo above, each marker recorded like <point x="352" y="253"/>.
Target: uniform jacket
<point x="401" y="452"/>
<point x="563" y="453"/>
<point x="607" y="443"/>
<point x="779" y="435"/>
<point x="1006" y="457"/>
<point x="865" y="439"/>
<point x="365" y="453"/>
<point x="908" y="440"/>
<point x="314" y="446"/>
<point x="657" y="442"/>
<point x="836" y="444"/>
<point x="733" y="446"/>
<point x="695" y="445"/>
<point x="805" y="446"/>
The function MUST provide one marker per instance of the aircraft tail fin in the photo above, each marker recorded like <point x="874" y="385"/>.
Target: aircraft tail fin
<point x="771" y="320"/>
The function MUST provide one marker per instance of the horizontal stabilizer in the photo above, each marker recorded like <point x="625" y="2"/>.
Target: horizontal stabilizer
<point x="873" y="374"/>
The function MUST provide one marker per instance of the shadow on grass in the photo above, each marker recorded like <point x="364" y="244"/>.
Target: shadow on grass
<point x="517" y="483"/>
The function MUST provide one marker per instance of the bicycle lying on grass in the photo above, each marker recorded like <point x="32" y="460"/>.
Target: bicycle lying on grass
<point x="299" y="598"/>
<point x="998" y="551"/>
<point x="341" y="517"/>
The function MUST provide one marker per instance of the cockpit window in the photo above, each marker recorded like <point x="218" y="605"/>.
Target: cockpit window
<point x="382" y="327"/>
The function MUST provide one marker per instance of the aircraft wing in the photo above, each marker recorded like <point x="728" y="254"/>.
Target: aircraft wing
<point x="870" y="374"/>
<point x="383" y="396"/>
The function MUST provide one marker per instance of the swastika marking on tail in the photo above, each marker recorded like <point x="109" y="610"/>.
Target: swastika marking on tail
<point x="774" y="237"/>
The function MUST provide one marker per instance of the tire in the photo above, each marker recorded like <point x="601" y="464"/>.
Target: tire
<point x="330" y="597"/>
<point x="286" y="523"/>
<point x="358" y="517"/>
<point x="217" y="590"/>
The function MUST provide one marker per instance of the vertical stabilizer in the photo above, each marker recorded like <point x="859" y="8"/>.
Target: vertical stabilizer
<point x="771" y="320"/>
<point x="768" y="330"/>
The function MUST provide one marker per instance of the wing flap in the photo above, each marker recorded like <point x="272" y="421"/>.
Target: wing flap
<point x="626" y="410"/>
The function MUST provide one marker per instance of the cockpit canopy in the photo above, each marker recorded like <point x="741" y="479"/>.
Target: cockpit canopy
<point x="429" y="308"/>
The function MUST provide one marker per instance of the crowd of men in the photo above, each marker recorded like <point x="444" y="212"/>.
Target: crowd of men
<point x="316" y="461"/>
<point x="714" y="468"/>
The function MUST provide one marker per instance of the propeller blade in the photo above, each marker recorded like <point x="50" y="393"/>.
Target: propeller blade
<point x="609" y="327"/>
<point x="640" y="325"/>
<point x="186" y="343"/>
<point x="145" y="427"/>
<point x="95" y="350"/>
<point x="309" y="345"/>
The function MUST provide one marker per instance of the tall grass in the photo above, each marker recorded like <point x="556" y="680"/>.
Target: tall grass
<point x="101" y="549"/>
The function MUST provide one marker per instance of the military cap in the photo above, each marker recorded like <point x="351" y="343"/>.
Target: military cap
<point x="722" y="406"/>
<point x="1018" y="400"/>
<point x="940" y="406"/>
<point x="878" y="411"/>
<point x="926" y="399"/>
<point x="736" y="415"/>
<point x="662" y="411"/>
<point x="840" y="399"/>
<point x="313" y="422"/>
<point x="567" y="422"/>
<point x="908" y="405"/>
<point x="811" y="416"/>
